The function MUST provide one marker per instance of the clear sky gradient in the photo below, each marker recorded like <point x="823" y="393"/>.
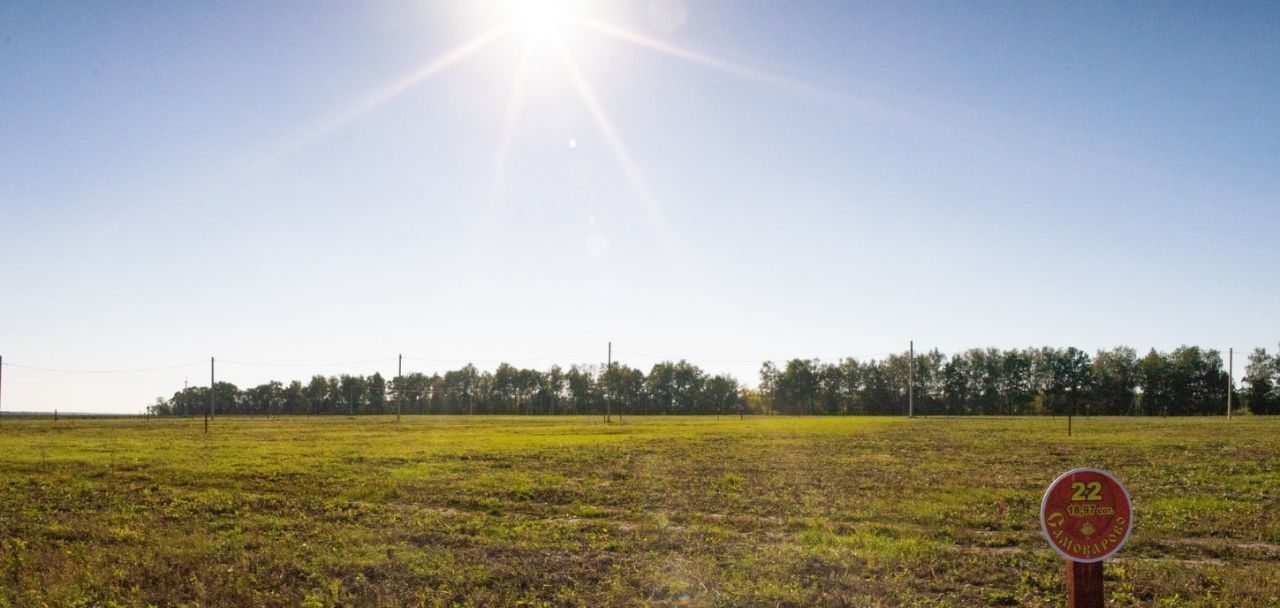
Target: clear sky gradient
<point x="300" y="182"/>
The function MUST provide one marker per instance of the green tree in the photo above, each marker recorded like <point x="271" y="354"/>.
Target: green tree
<point x="1065" y="377"/>
<point x="723" y="391"/>
<point x="191" y="401"/>
<point x="506" y="382"/>
<point x="624" y="387"/>
<point x="293" y="399"/>
<point x="375" y="394"/>
<point x="460" y="389"/>
<point x="1262" y="382"/>
<point x="263" y="399"/>
<point x="930" y="382"/>
<point x="768" y="388"/>
<point x="1115" y="381"/>
<point x="351" y="394"/>
<point x="1199" y="381"/>
<point x="1014" y="382"/>
<point x="1155" y="384"/>
<point x="897" y="372"/>
<point x="226" y="399"/>
<point x="955" y="381"/>
<point x="553" y="387"/>
<point x="832" y="390"/>
<point x="798" y="386"/>
<point x="317" y="395"/>
<point x="876" y="393"/>
<point x="527" y="383"/>
<point x="583" y="393"/>
<point x="660" y="386"/>
<point x="687" y="388"/>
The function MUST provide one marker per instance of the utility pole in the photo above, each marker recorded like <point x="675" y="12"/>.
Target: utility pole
<point x="1231" y="380"/>
<point x="621" y="407"/>
<point x="911" y="380"/>
<point x="607" y="377"/>
<point x="209" y="412"/>
<point x="400" y="383"/>
<point x="1" y="370"/>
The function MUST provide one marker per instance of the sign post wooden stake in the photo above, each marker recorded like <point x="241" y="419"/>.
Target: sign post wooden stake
<point x="1084" y="584"/>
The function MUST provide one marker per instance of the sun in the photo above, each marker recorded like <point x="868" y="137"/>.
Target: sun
<point x="538" y="19"/>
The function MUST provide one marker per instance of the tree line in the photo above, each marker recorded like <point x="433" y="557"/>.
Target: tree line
<point x="1033" y="381"/>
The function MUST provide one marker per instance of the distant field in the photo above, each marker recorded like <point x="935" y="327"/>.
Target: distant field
<point x="652" y="512"/>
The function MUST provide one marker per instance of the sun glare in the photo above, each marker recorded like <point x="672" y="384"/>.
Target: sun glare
<point x="537" y="18"/>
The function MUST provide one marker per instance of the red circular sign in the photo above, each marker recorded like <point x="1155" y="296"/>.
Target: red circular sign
<point x="1086" y="515"/>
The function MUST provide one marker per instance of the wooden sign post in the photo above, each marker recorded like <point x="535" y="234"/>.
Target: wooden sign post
<point x="1086" y="517"/>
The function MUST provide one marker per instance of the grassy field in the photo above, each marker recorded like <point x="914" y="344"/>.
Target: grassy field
<point x="652" y="512"/>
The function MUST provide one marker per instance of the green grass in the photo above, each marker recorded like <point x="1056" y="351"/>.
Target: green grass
<point x="653" y="512"/>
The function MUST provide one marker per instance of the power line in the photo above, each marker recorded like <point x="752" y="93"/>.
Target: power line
<point x="101" y="371"/>
<point x="759" y="360"/>
<point x="579" y="356"/>
<point x="285" y="364"/>
<point x="669" y="358"/>
<point x="500" y="360"/>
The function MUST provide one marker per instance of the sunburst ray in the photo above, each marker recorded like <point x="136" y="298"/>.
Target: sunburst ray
<point x="639" y="189"/>
<point x="384" y="94"/>
<point x="778" y="81"/>
<point x="515" y="101"/>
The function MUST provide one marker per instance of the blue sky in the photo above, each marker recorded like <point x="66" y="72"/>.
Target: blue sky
<point x="747" y="181"/>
